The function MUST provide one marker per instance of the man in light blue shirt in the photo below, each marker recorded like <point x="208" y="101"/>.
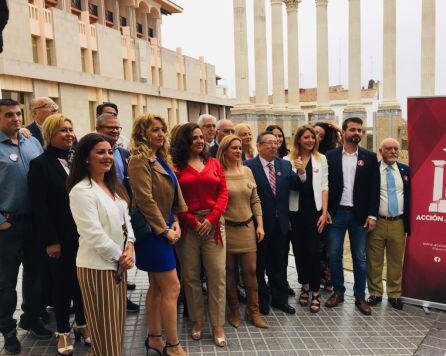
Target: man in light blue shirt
<point x="18" y="243"/>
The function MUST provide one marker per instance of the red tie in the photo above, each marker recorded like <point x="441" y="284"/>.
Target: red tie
<point x="272" y="177"/>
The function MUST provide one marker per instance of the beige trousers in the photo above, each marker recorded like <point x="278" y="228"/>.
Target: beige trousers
<point x="388" y="236"/>
<point x="105" y="310"/>
<point x="189" y="250"/>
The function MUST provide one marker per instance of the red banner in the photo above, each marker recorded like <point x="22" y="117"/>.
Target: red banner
<point x="424" y="276"/>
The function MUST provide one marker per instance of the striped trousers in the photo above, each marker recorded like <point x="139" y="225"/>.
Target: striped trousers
<point x="105" y="310"/>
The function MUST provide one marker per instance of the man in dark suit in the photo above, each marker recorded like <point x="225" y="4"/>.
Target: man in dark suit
<point x="41" y="108"/>
<point x="353" y="177"/>
<point x="109" y="125"/>
<point x="225" y="127"/>
<point x="391" y="229"/>
<point x="4" y="16"/>
<point x="274" y="178"/>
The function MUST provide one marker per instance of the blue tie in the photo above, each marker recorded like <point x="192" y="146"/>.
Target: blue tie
<point x="391" y="193"/>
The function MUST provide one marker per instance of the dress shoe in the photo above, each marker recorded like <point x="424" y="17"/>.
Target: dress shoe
<point x="362" y="305"/>
<point x="396" y="303"/>
<point x="264" y="306"/>
<point x="37" y="329"/>
<point x="374" y="300"/>
<point x="334" y="300"/>
<point x="131" y="286"/>
<point x="132" y="307"/>
<point x="286" y="308"/>
<point x="12" y="344"/>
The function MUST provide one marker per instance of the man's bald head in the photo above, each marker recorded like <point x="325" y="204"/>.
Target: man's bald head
<point x="389" y="150"/>
<point x="41" y="108"/>
<point x="225" y="127"/>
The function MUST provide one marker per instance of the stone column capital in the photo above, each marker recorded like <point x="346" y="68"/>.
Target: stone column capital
<point x="321" y="3"/>
<point x="276" y="2"/>
<point x="292" y="5"/>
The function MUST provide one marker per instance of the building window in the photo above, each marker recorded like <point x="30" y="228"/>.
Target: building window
<point x="151" y="32"/>
<point x="92" y="110"/>
<point x="76" y="4"/>
<point x="160" y="75"/>
<point x="122" y="21"/>
<point x="134" y="112"/>
<point x="93" y="9"/>
<point x="34" y="45"/>
<point x="138" y="28"/>
<point x="49" y="53"/>
<point x="109" y="18"/>
<point x="83" y="59"/>
<point x="96" y="69"/>
<point x="134" y="71"/>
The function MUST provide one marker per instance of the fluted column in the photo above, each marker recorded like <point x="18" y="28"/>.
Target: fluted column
<point x="293" y="54"/>
<point x="241" y="53"/>
<point x="428" y="48"/>
<point x="354" y="54"/>
<point x="261" y="64"/>
<point x="323" y="101"/>
<point x="277" y="51"/>
<point x="389" y="55"/>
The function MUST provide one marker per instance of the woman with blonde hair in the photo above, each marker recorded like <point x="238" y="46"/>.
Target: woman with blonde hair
<point x="243" y="131"/>
<point x="244" y="228"/>
<point x="55" y="226"/>
<point x="157" y="199"/>
<point x="308" y="212"/>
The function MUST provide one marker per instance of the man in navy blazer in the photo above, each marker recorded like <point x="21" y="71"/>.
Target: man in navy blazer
<point x="41" y="108"/>
<point x="274" y="178"/>
<point x="353" y="179"/>
<point x="391" y="229"/>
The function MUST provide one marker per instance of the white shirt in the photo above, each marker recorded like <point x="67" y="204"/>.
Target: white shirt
<point x="64" y="164"/>
<point x="384" y="200"/>
<point x="349" y="163"/>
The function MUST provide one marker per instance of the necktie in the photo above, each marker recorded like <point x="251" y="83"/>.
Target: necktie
<point x="272" y="177"/>
<point x="391" y="193"/>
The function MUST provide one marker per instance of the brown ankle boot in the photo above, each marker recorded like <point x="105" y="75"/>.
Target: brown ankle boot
<point x="234" y="307"/>
<point x="252" y="308"/>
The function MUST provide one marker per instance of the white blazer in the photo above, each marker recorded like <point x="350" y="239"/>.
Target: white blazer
<point x="320" y="182"/>
<point x="98" y="221"/>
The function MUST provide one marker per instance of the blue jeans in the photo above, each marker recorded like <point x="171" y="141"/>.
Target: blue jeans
<point x="345" y="221"/>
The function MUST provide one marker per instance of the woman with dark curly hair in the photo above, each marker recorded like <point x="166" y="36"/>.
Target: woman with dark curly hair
<point x="281" y="142"/>
<point x="204" y="189"/>
<point x="328" y="135"/>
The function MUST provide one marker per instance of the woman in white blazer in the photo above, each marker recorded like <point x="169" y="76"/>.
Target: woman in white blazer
<point x="308" y="212"/>
<point x="98" y="203"/>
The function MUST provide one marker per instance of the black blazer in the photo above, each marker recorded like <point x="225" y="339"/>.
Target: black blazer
<point x="274" y="206"/>
<point x="366" y="186"/>
<point x="4" y="16"/>
<point x="213" y="150"/>
<point x="404" y="171"/>
<point x="35" y="131"/>
<point x="50" y="202"/>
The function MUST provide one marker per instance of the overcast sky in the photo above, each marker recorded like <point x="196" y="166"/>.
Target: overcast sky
<point x="206" y="28"/>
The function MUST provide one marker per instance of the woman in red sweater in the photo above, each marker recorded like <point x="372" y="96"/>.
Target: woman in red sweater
<point x="204" y="189"/>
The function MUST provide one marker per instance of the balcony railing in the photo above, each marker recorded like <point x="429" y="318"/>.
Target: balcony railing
<point x="93" y="9"/>
<point x="122" y="21"/>
<point x="76" y="4"/>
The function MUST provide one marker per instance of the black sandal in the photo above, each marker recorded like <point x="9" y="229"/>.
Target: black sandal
<point x="304" y="296"/>
<point x="315" y="305"/>
<point x="148" y="347"/>
<point x="167" y="346"/>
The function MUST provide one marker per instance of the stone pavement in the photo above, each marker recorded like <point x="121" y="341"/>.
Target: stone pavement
<point x="339" y="331"/>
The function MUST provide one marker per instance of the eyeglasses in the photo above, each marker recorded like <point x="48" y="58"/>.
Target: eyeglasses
<point x="269" y="143"/>
<point x="229" y="131"/>
<point x="112" y="128"/>
<point x="210" y="126"/>
<point x="48" y="106"/>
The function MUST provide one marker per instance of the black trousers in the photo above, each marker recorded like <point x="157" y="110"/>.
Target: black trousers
<point x="306" y="247"/>
<point x="270" y="259"/>
<point x="19" y="245"/>
<point x="66" y="287"/>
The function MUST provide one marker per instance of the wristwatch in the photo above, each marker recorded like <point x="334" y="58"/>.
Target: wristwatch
<point x="165" y="233"/>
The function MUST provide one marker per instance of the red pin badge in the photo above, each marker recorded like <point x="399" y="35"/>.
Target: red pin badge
<point x="360" y="162"/>
<point x="249" y="185"/>
<point x="279" y="174"/>
<point x="316" y="170"/>
<point x="13" y="157"/>
<point x="406" y="178"/>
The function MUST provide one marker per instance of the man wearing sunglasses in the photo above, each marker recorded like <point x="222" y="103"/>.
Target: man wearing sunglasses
<point x="41" y="108"/>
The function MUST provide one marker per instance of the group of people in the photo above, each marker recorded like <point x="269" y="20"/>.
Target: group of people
<point x="200" y="203"/>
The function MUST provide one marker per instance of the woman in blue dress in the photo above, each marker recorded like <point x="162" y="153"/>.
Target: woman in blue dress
<point x="157" y="197"/>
